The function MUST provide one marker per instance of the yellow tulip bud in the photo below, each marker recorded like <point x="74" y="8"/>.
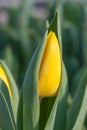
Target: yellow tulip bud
<point x="50" y="68"/>
<point x="5" y="79"/>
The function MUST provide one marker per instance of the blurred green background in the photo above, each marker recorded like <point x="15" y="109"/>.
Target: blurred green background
<point x="24" y="25"/>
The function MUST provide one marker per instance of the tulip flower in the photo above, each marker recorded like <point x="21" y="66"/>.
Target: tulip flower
<point x="50" y="68"/>
<point x="5" y="79"/>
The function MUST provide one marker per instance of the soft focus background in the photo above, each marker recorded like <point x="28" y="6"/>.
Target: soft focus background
<point x="22" y="25"/>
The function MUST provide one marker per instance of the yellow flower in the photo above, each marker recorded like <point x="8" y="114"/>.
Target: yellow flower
<point x="50" y="68"/>
<point x="3" y="76"/>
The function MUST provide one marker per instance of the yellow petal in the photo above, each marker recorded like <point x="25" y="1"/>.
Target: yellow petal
<point x="50" y="68"/>
<point x="5" y="79"/>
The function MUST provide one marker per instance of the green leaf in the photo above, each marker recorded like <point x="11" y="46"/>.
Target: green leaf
<point x="20" y="113"/>
<point x="61" y="114"/>
<point x="85" y="121"/>
<point x="30" y="90"/>
<point x="11" y="32"/>
<point x="15" y="96"/>
<point x="5" y="92"/>
<point x="55" y="110"/>
<point x="82" y="114"/>
<point x="76" y="80"/>
<point x="26" y="10"/>
<point x="78" y="109"/>
<point x="6" y="122"/>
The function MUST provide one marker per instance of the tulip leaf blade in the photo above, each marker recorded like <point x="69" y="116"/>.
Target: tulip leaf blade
<point x="20" y="113"/>
<point x="82" y="114"/>
<point x="76" y="80"/>
<point x="30" y="92"/>
<point x="61" y="114"/>
<point x="6" y="122"/>
<point x="78" y="107"/>
<point x="62" y="92"/>
<point x="5" y="92"/>
<point x="15" y="95"/>
<point x="26" y="9"/>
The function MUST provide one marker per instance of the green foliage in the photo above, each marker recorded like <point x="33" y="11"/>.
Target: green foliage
<point x="15" y="94"/>
<point x="22" y="43"/>
<point x="79" y="106"/>
<point x="6" y="115"/>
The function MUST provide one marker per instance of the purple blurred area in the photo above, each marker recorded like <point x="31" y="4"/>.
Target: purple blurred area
<point x="39" y="10"/>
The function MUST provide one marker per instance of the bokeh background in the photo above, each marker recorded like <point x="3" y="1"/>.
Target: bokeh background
<point x="23" y="23"/>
